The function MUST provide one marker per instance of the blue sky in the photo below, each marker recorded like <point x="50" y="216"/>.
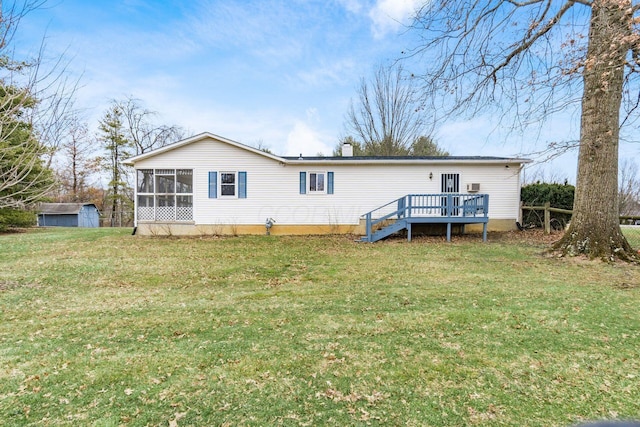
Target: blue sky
<point x="279" y="73"/>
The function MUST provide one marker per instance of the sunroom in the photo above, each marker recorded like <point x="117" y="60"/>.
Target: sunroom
<point x="164" y="195"/>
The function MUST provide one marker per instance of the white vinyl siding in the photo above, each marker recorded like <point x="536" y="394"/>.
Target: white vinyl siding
<point x="274" y="189"/>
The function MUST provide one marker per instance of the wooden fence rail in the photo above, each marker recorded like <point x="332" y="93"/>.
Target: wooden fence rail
<point x="624" y="219"/>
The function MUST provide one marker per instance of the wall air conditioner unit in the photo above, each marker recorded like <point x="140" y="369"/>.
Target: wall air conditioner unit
<point x="473" y="188"/>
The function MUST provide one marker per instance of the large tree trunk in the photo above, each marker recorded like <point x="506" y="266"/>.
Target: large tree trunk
<point x="595" y="229"/>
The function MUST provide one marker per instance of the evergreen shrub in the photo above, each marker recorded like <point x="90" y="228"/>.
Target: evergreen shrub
<point x="16" y="218"/>
<point x="558" y="195"/>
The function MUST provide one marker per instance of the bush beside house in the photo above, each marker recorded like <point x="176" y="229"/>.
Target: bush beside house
<point x="557" y="195"/>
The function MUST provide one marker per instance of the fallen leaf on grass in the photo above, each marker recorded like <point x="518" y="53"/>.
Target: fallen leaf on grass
<point x="178" y="416"/>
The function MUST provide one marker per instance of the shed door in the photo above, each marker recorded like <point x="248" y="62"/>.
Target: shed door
<point x="88" y="218"/>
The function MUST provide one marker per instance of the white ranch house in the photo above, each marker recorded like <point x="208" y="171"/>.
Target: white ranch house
<point x="207" y="184"/>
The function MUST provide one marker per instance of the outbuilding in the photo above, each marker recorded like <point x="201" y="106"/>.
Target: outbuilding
<point x="84" y="215"/>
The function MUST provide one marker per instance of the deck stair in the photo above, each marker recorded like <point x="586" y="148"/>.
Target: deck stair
<point x="446" y="208"/>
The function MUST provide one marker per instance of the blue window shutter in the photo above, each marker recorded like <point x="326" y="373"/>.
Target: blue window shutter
<point x="213" y="185"/>
<point x="242" y="185"/>
<point x="303" y="183"/>
<point x="329" y="182"/>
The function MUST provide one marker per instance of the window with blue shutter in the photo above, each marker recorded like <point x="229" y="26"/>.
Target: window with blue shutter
<point x="213" y="185"/>
<point x="313" y="182"/>
<point x="242" y="185"/>
<point x="303" y="183"/>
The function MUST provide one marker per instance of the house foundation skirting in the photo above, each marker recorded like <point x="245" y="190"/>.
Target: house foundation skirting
<point x="493" y="225"/>
<point x="181" y="229"/>
<point x="190" y="229"/>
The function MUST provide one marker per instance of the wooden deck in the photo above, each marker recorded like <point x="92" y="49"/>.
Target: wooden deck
<point x="402" y="213"/>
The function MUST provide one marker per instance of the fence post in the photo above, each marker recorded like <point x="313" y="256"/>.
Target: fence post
<point x="547" y="218"/>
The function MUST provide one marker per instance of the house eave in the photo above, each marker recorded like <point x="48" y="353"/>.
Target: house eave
<point x="199" y="137"/>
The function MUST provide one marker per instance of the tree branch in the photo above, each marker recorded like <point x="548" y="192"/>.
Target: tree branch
<point x="526" y="43"/>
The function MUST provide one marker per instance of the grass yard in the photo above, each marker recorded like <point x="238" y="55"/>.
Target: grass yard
<point x="101" y="328"/>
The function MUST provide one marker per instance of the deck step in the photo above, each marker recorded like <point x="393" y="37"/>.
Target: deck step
<point x="387" y="231"/>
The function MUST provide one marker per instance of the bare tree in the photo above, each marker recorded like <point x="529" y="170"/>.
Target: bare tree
<point x="141" y="129"/>
<point x="262" y="146"/>
<point x="55" y="115"/>
<point x="529" y="59"/>
<point x="76" y="164"/>
<point x="128" y="129"/>
<point x="386" y="118"/>
<point x="23" y="177"/>
<point x="629" y="188"/>
<point x="539" y="175"/>
<point x="35" y="97"/>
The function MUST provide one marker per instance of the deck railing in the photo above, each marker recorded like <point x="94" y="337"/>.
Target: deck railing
<point x="444" y="205"/>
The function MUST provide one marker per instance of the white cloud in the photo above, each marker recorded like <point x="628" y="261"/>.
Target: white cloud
<point x="245" y="70"/>
<point x="304" y="140"/>
<point x="389" y="15"/>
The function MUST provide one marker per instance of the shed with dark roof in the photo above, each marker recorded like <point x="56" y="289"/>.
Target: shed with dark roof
<point x="68" y="215"/>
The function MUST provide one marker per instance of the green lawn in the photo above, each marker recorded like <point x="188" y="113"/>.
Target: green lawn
<point x="101" y="328"/>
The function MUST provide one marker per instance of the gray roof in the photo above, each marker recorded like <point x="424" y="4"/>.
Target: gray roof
<point x="355" y="160"/>
<point x="383" y="158"/>
<point x="62" y="208"/>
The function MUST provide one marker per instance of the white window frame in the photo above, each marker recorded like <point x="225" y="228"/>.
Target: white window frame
<point x="235" y="185"/>
<point x="324" y="180"/>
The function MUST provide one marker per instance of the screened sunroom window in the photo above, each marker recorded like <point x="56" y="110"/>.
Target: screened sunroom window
<point x="165" y="194"/>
